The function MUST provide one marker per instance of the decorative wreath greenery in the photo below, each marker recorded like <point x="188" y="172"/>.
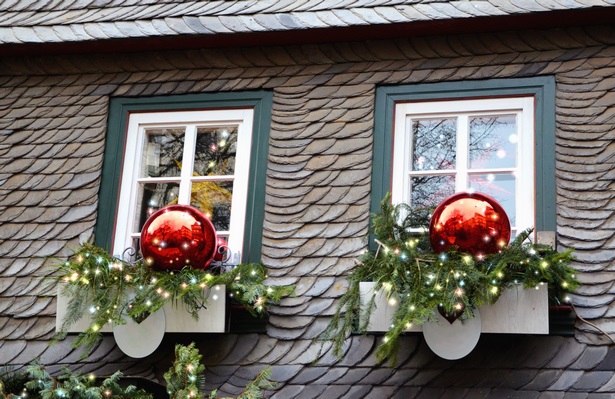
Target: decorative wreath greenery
<point x="421" y="281"/>
<point x="109" y="290"/>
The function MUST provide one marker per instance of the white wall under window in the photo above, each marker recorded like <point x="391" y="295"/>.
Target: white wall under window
<point x="484" y="145"/>
<point x="198" y="158"/>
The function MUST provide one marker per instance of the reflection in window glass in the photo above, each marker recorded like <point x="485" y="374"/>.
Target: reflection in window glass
<point x="428" y="191"/>
<point x="215" y="151"/>
<point x="214" y="200"/>
<point x="163" y="152"/>
<point x="214" y="156"/>
<point x="153" y="196"/>
<point x="434" y="144"/>
<point x="493" y="141"/>
<point x="502" y="187"/>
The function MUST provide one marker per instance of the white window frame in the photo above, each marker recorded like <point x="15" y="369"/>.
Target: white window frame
<point x="523" y="107"/>
<point x="191" y="120"/>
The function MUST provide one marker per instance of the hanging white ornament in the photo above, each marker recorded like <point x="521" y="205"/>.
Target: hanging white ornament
<point x="139" y="340"/>
<point x="455" y="340"/>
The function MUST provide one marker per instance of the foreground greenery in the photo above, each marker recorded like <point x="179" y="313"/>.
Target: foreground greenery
<point x="183" y="381"/>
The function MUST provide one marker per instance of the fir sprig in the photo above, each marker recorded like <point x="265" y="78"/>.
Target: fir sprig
<point x="420" y="281"/>
<point x="110" y="290"/>
<point x="186" y="375"/>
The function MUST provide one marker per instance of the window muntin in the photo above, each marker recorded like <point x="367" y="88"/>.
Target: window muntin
<point x="486" y="145"/>
<point x="201" y="158"/>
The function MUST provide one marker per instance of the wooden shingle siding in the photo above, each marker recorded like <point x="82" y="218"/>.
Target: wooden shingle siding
<point x="53" y="115"/>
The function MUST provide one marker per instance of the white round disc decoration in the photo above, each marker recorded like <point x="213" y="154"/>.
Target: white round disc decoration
<point x="452" y="341"/>
<point x="139" y="340"/>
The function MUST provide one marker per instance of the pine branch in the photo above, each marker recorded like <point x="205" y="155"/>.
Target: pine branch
<point x="254" y="390"/>
<point x="186" y="373"/>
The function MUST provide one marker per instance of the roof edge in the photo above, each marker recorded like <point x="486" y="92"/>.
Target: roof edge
<point x="542" y="20"/>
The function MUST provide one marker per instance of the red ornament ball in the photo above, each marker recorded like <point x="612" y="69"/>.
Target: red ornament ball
<point x="177" y="236"/>
<point x="472" y="222"/>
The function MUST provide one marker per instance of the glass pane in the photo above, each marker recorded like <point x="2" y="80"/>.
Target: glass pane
<point x="215" y="151"/>
<point x="214" y="200"/>
<point x="499" y="186"/>
<point x="153" y="196"/>
<point x="493" y="142"/>
<point x="429" y="191"/>
<point x="434" y="144"/>
<point x="163" y="152"/>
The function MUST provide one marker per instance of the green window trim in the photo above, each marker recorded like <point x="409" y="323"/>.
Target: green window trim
<point x="119" y="110"/>
<point x="543" y="90"/>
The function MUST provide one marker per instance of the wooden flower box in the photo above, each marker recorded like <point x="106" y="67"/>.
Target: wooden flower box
<point x="517" y="311"/>
<point x="212" y="319"/>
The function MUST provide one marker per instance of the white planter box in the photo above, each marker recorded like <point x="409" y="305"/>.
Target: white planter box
<point x="178" y="319"/>
<point x="517" y="311"/>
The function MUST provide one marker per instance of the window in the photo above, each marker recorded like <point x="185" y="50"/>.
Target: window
<point x="198" y="158"/>
<point x="208" y="151"/>
<point x="484" y="145"/>
<point x="493" y="136"/>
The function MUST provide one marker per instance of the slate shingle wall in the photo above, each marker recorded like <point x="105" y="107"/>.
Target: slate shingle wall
<point x="53" y="114"/>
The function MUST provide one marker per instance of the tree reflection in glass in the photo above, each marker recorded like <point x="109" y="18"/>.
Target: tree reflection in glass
<point x="216" y="149"/>
<point x="212" y="173"/>
<point x="491" y="147"/>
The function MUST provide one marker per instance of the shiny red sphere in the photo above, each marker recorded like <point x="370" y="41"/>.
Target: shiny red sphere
<point x="472" y="222"/>
<point x="177" y="236"/>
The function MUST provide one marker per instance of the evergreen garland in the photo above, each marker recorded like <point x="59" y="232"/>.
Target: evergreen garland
<point x="109" y="290"/>
<point x="421" y="281"/>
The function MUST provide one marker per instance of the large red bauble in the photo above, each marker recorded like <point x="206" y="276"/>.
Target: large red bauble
<point x="177" y="236"/>
<point x="472" y="222"/>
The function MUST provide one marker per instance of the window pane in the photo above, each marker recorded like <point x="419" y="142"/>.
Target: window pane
<point x="429" y="191"/>
<point x="435" y="143"/>
<point x="214" y="200"/>
<point x="215" y="151"/>
<point x="493" y="142"/>
<point x="153" y="196"/>
<point x="163" y="152"/>
<point x="499" y="186"/>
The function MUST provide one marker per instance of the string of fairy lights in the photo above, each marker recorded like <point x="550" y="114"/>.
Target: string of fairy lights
<point x="540" y="267"/>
